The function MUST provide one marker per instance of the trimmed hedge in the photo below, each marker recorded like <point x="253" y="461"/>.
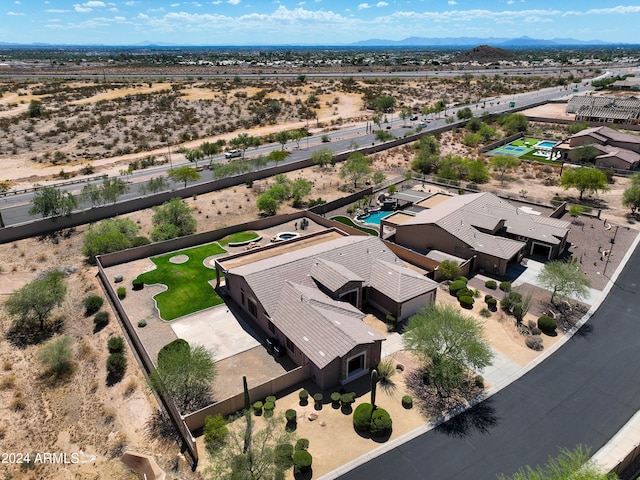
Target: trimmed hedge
<point x="491" y="284"/>
<point x="270" y="398"/>
<point x="362" y="417"/>
<point x="137" y="284"/>
<point x="464" y="292"/>
<point x="257" y="407"/>
<point x="547" y="324"/>
<point x="492" y="303"/>
<point x="381" y="423"/>
<point x="461" y="279"/>
<point x="466" y="302"/>
<point x="302" y="462"/>
<point x="455" y="286"/>
<point x="291" y="415"/>
<point x="505" y="286"/>
<point x="304" y="397"/>
<point x="122" y="293"/>
<point x="302" y="444"/>
<point x="407" y="401"/>
<point x="347" y="399"/>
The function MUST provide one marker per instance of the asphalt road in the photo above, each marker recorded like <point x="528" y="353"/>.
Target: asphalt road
<point x="582" y="394"/>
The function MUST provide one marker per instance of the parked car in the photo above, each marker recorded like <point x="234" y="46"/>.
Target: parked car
<point x="413" y="118"/>
<point x="233" y="154"/>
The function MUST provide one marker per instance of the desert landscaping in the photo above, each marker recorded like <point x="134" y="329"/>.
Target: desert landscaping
<point x="92" y="128"/>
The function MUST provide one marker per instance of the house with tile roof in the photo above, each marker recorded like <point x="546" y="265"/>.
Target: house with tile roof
<point x="311" y="299"/>
<point x="485" y="228"/>
<point x="602" y="109"/>
<point x="617" y="149"/>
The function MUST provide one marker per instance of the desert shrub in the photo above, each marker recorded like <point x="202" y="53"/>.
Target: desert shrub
<point x="268" y="408"/>
<point x="302" y="462"/>
<point x="455" y="286"/>
<point x="505" y="286"/>
<point x="304" y="396"/>
<point x="115" y="345"/>
<point x="257" y="407"/>
<point x="335" y="398"/>
<point x="381" y="423"/>
<point x="116" y="364"/>
<point x="461" y="279"/>
<point x="491" y="284"/>
<point x="177" y="344"/>
<point x="466" y="302"/>
<point x="302" y="444"/>
<point x="137" y="284"/>
<point x="547" y="324"/>
<point x="57" y="356"/>
<point x="140" y="241"/>
<point x="492" y="304"/>
<point x="479" y="381"/>
<point x="346" y="399"/>
<point x="291" y="415"/>
<point x="283" y="456"/>
<point x="535" y="331"/>
<point x="100" y="320"/>
<point x="122" y="293"/>
<point x="485" y="312"/>
<point x="510" y="301"/>
<point x="92" y="304"/>
<point x="534" y="342"/>
<point x="362" y="417"/>
<point x="317" y="398"/>
<point x="270" y="398"/>
<point x="142" y="323"/>
<point x="215" y="432"/>
<point x="407" y="401"/>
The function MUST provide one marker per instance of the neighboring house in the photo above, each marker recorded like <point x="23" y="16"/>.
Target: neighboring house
<point x="605" y="109"/>
<point x="617" y="149"/>
<point x="485" y="228"/>
<point x="309" y="294"/>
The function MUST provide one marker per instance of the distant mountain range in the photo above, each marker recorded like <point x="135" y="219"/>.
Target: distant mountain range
<point x="472" y="41"/>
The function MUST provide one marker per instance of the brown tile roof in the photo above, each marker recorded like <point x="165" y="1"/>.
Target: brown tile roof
<point x="397" y="282"/>
<point x="601" y="134"/>
<point x="322" y="328"/>
<point x="332" y="275"/>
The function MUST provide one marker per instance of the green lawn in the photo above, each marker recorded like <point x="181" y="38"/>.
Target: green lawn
<point x="524" y="142"/>
<point x="237" y="238"/>
<point x="349" y="222"/>
<point x="188" y="288"/>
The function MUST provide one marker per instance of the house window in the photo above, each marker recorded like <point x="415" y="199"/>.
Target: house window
<point x="290" y="346"/>
<point x="271" y="326"/>
<point x="355" y="364"/>
<point x="253" y="307"/>
<point x="242" y="296"/>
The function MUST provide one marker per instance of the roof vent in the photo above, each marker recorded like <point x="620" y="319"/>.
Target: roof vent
<point x="305" y="339"/>
<point x="321" y="353"/>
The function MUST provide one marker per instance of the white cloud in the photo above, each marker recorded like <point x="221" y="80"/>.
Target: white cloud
<point x="16" y="14"/>
<point x="17" y="2"/>
<point x="510" y="2"/>
<point x="363" y="6"/>
<point x="56" y="10"/>
<point x="381" y="4"/>
<point x="94" y="4"/>
<point x="233" y="2"/>
<point x="130" y="3"/>
<point x="452" y="2"/>
<point x="619" y="10"/>
<point x="174" y="5"/>
<point x="81" y="9"/>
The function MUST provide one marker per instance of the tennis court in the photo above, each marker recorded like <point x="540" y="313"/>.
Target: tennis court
<point x="510" y="150"/>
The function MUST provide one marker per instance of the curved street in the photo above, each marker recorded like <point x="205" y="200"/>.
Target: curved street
<point x="582" y="394"/>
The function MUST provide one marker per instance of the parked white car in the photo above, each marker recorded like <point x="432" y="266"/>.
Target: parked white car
<point x="233" y="154"/>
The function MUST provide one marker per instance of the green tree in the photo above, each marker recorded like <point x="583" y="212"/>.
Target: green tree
<point x="429" y="144"/>
<point x="384" y="103"/>
<point x="569" y="464"/>
<point x="576" y="127"/>
<point x="405" y="113"/>
<point x="425" y="162"/>
<point x="584" y="154"/>
<point x="575" y="211"/>
<point x="477" y="171"/>
<point x="584" y="179"/>
<point x="92" y="193"/>
<point x="503" y="164"/>
<point x="186" y="375"/>
<point x="252" y="454"/>
<point x="464" y="113"/>
<point x="193" y="154"/>
<point x="447" y="343"/>
<point x="184" y="174"/>
<point x="282" y="138"/>
<point x="267" y="204"/>
<point x="57" y="355"/>
<point x="177" y="213"/>
<point x="32" y="304"/>
<point x="108" y="236"/>
<point x="378" y="177"/>
<point x="244" y="141"/>
<point x="449" y="269"/>
<point x="300" y="188"/>
<point x="514" y="123"/>
<point x="154" y="185"/>
<point x="322" y="157"/>
<point x="356" y="168"/>
<point x="474" y="125"/>
<point x="452" y="167"/>
<point x="564" y="278"/>
<point x="277" y="156"/>
<point x="209" y="149"/>
<point x="631" y="198"/>
<point x="52" y="202"/>
<point x="112" y="189"/>
<point x="36" y="109"/>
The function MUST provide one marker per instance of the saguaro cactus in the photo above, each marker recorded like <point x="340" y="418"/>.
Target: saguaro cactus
<point x="374" y="383"/>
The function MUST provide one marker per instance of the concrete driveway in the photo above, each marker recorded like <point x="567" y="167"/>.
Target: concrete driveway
<point x="218" y="330"/>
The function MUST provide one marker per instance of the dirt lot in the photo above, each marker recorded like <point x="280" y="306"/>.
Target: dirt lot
<point x="90" y="416"/>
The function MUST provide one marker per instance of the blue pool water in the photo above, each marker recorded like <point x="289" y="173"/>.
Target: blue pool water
<point x="545" y="144"/>
<point x="374" y="217"/>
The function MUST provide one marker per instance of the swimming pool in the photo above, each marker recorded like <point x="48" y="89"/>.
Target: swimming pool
<point x="546" y="144"/>
<point x="374" y="217"/>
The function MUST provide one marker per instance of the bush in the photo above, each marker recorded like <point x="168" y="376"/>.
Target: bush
<point x="122" y="292"/>
<point x="257" y="407"/>
<point x="485" y="312"/>
<point x="466" y="302"/>
<point x="283" y="456"/>
<point x="346" y="399"/>
<point x="142" y="323"/>
<point x="291" y="415"/>
<point x="407" y="401"/>
<point x="547" y="324"/>
<point x="461" y="279"/>
<point x="177" y="344"/>
<point x="115" y="345"/>
<point x="487" y="297"/>
<point x="492" y="304"/>
<point x="116" y="364"/>
<point x="534" y="342"/>
<point x="362" y="417"/>
<point x="57" y="355"/>
<point x="505" y="286"/>
<point x="455" y="286"/>
<point x="381" y="423"/>
<point x="464" y="292"/>
<point x="101" y="320"/>
<point x="215" y="432"/>
<point x="479" y="381"/>
<point x="137" y="284"/>
<point x="491" y="284"/>
<point x="317" y="398"/>
<point x="268" y="408"/>
<point x="140" y="241"/>
<point x="304" y="396"/>
<point x="270" y="398"/>
<point x="92" y="304"/>
<point x="302" y="444"/>
<point x="302" y="462"/>
<point x="335" y="398"/>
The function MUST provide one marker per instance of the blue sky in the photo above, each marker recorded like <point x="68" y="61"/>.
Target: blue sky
<point x="320" y="22"/>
